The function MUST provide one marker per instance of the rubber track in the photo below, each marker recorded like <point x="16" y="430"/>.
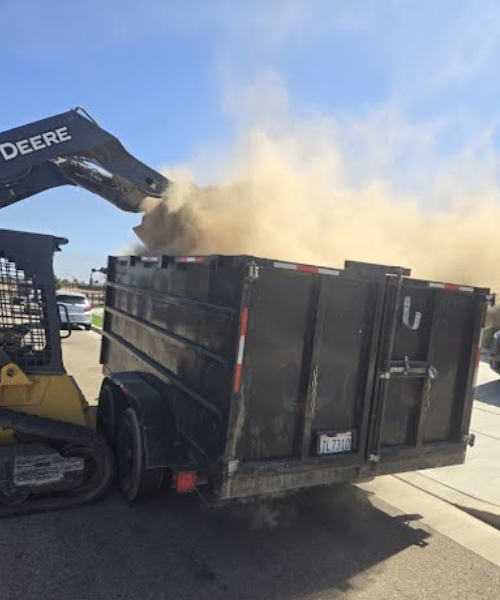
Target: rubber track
<point x="74" y="435"/>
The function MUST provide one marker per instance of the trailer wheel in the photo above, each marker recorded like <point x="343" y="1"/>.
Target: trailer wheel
<point x="135" y="481"/>
<point x="106" y="417"/>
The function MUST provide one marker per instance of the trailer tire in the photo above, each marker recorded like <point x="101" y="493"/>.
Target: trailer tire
<point x="107" y="419"/>
<point x="135" y="481"/>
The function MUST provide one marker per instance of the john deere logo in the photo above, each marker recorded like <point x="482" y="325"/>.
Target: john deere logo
<point x="10" y="150"/>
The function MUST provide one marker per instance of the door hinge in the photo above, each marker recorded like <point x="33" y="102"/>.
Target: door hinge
<point x="469" y="439"/>
<point x="490" y="299"/>
<point x="253" y="272"/>
<point x="232" y="466"/>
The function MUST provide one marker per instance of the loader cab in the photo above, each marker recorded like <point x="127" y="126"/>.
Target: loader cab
<point x="29" y="319"/>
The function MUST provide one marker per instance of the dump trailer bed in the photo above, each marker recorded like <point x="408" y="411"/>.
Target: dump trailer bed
<point x="275" y="376"/>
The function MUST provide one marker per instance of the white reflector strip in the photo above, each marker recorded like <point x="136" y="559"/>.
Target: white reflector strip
<point x="190" y="259"/>
<point x="305" y="268"/>
<point x="450" y="287"/>
<point x="278" y="265"/>
<point x="480" y="344"/>
<point x="328" y="272"/>
<point x="241" y="350"/>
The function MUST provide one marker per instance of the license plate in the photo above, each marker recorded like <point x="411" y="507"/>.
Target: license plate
<point x="335" y="444"/>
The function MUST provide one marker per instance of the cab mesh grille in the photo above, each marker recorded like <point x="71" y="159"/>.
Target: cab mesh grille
<point x="23" y="318"/>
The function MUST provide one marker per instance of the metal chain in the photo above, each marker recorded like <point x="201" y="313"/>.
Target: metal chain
<point x="431" y="375"/>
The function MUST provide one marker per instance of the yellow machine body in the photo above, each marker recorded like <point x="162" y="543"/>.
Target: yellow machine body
<point x="53" y="396"/>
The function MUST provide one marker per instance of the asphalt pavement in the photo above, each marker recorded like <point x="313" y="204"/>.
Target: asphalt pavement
<point x="341" y="543"/>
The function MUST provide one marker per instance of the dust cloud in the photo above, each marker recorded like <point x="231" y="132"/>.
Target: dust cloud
<point x="283" y="196"/>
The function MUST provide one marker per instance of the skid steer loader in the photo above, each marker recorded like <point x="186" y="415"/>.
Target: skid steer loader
<point x="50" y="456"/>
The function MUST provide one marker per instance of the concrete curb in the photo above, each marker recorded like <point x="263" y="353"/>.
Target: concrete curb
<point x="486" y="512"/>
<point x="487" y="407"/>
<point x="96" y="329"/>
<point x="440" y="515"/>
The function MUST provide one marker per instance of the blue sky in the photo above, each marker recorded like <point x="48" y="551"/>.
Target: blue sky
<point x="172" y="79"/>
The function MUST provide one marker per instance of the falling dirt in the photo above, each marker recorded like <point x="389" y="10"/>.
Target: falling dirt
<point x="279" y="200"/>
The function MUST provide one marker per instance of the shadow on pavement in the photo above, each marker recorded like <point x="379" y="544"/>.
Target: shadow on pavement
<point x="490" y="518"/>
<point x="178" y="547"/>
<point x="489" y="393"/>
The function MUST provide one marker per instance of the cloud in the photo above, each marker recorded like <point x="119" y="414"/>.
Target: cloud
<point x="423" y="48"/>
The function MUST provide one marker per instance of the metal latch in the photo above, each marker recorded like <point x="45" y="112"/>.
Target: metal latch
<point x="407" y="365"/>
<point x="407" y="368"/>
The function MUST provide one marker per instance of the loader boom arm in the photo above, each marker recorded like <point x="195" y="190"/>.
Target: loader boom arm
<point x="71" y="149"/>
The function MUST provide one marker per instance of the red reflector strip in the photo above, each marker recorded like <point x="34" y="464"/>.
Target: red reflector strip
<point x="185" y="481"/>
<point x="244" y="322"/>
<point x="450" y="286"/>
<point x="190" y="259"/>
<point x="241" y="350"/>
<point x="237" y="379"/>
<point x="305" y="269"/>
<point x="480" y="343"/>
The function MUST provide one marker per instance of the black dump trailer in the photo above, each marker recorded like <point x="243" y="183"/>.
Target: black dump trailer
<point x="250" y="377"/>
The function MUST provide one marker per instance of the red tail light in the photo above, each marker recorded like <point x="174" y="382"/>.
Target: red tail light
<point x="184" y="481"/>
<point x="87" y="308"/>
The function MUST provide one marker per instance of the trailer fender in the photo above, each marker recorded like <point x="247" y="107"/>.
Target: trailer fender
<point x="155" y="418"/>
